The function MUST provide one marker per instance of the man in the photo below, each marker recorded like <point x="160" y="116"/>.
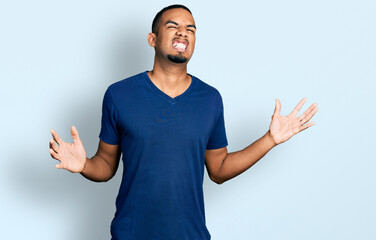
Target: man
<point x="167" y="124"/>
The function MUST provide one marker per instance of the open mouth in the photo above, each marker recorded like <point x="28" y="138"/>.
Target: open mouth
<point x="180" y="46"/>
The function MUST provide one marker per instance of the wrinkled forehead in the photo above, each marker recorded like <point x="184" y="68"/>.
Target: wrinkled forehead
<point x="178" y="15"/>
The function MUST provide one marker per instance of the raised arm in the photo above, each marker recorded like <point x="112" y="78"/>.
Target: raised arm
<point x="223" y="166"/>
<point x="72" y="157"/>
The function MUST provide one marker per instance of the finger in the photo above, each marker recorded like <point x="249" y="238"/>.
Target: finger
<point x="310" y="115"/>
<point x="74" y="133"/>
<point x="304" y="127"/>
<point x="59" y="166"/>
<point x="277" y="109"/>
<point x="56" y="137"/>
<point x="53" y="146"/>
<point x="313" y="109"/>
<point x="301" y="117"/>
<point x="54" y="154"/>
<point x="299" y="106"/>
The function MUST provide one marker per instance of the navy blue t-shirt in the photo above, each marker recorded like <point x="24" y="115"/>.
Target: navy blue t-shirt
<point x="163" y="142"/>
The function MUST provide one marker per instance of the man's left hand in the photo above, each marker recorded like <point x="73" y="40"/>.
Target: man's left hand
<point x="282" y="128"/>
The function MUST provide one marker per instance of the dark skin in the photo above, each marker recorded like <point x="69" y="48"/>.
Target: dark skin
<point x="178" y="26"/>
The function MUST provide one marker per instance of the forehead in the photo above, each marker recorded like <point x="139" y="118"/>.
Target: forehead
<point x="178" y="15"/>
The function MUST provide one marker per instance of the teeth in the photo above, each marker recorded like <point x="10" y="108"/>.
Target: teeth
<point x="180" y="45"/>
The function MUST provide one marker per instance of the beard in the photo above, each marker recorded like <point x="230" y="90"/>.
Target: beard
<point x="177" y="58"/>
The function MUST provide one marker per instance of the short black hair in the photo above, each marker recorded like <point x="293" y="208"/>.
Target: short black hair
<point x="157" y="17"/>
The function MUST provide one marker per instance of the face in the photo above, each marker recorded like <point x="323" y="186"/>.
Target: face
<point x="175" y="39"/>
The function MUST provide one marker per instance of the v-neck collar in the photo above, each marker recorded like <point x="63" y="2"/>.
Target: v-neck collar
<point x="164" y="95"/>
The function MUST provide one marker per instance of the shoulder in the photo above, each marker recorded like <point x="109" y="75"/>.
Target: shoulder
<point x="207" y="90"/>
<point x="127" y="85"/>
<point x="126" y="90"/>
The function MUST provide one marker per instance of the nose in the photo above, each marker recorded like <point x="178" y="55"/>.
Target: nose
<point x="182" y="32"/>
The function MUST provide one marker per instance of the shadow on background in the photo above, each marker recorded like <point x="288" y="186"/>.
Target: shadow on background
<point x="89" y="206"/>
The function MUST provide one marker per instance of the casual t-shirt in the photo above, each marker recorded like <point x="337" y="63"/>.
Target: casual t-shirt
<point x="163" y="142"/>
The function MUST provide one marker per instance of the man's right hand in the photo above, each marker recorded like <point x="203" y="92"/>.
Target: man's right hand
<point x="72" y="156"/>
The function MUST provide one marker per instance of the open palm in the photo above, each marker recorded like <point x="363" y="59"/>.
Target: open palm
<point x="72" y="156"/>
<point x="283" y="128"/>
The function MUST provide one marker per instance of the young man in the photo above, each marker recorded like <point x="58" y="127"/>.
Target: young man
<point x="167" y="124"/>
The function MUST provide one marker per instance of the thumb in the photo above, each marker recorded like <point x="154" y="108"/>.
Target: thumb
<point x="74" y="133"/>
<point x="59" y="166"/>
<point x="277" y="109"/>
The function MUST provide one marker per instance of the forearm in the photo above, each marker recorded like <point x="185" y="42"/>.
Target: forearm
<point x="236" y="163"/>
<point x="97" y="169"/>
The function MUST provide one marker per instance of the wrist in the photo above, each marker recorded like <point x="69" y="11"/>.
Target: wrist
<point x="269" y="140"/>
<point x="84" y="168"/>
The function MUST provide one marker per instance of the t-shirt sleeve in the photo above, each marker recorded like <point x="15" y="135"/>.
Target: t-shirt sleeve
<point x="218" y="137"/>
<point x="109" y="131"/>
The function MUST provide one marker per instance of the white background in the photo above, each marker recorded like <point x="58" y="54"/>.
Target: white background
<point x="58" y="57"/>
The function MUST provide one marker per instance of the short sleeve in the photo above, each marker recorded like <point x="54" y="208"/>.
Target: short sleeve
<point x="109" y="131"/>
<point x="217" y="138"/>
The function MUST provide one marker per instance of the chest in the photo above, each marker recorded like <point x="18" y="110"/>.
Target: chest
<point x="190" y="119"/>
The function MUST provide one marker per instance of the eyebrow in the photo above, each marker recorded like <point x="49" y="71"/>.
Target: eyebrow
<point x="172" y="22"/>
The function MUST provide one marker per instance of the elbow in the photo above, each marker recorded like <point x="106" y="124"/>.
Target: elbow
<point x="217" y="180"/>
<point x="108" y="175"/>
<point x="98" y="179"/>
<point x="105" y="180"/>
<point x="108" y="178"/>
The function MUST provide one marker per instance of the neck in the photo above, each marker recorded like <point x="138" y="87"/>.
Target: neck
<point x="165" y="69"/>
<point x="171" y="78"/>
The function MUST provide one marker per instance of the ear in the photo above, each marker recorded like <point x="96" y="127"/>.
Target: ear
<point x="152" y="37"/>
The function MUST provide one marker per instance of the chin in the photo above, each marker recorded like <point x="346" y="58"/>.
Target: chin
<point x="179" y="58"/>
